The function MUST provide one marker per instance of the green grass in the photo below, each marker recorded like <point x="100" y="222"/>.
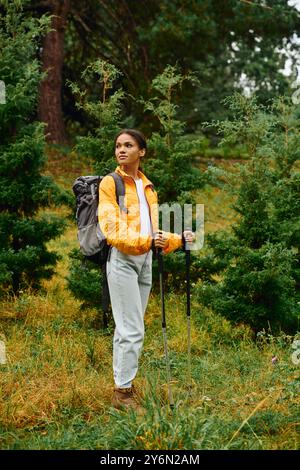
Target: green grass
<point x="57" y="383"/>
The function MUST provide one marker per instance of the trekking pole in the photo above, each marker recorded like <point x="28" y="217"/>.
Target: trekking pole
<point x="164" y="325"/>
<point x="188" y="308"/>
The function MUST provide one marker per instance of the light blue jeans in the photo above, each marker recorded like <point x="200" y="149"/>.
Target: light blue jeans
<point x="129" y="280"/>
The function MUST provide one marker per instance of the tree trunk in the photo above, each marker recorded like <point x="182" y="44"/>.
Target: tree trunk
<point x="50" y="93"/>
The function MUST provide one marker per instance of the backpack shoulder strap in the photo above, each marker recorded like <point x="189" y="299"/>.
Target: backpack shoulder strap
<point x="120" y="190"/>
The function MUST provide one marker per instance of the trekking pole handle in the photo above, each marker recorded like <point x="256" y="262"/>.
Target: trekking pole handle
<point x="157" y="252"/>
<point x="184" y="242"/>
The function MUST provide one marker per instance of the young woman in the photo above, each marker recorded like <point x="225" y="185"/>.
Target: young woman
<point x="132" y="233"/>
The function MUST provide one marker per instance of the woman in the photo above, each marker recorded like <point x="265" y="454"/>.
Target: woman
<point x="132" y="233"/>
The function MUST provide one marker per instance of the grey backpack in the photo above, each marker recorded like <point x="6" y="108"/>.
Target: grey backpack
<point x="93" y="244"/>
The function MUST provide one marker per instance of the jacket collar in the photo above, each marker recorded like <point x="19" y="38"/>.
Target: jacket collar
<point x="141" y="175"/>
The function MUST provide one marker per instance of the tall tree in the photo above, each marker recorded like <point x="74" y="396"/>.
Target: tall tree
<point x="52" y="55"/>
<point x="24" y="190"/>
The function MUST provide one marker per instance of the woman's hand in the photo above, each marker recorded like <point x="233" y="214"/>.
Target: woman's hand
<point x="189" y="236"/>
<point x="160" y="240"/>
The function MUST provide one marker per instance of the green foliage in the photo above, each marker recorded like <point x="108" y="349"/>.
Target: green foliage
<point x="164" y="429"/>
<point x="170" y="161"/>
<point x="84" y="280"/>
<point x="24" y="191"/>
<point x="259" y="260"/>
<point x="105" y="111"/>
<point x="209" y="36"/>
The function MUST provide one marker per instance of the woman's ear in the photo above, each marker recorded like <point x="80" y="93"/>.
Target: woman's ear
<point x="142" y="153"/>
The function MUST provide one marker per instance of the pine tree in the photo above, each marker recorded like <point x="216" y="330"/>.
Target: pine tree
<point x="170" y="158"/>
<point x="24" y="190"/>
<point x="258" y="261"/>
<point x="105" y="109"/>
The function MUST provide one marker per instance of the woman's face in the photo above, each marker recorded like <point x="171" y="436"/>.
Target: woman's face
<point x="127" y="150"/>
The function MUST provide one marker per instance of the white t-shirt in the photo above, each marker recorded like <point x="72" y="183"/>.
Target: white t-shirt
<point x="146" y="225"/>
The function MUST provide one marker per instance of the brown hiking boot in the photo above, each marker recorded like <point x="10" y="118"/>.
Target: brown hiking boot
<point x="126" y="398"/>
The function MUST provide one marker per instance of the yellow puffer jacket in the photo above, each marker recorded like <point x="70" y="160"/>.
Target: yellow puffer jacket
<point x="122" y="230"/>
